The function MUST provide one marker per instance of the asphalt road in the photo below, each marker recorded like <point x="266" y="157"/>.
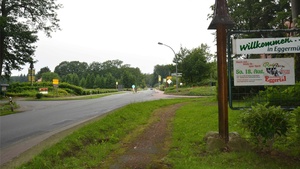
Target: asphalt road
<point x="44" y="118"/>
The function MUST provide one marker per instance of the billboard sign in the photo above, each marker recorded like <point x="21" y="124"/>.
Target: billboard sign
<point x="255" y="72"/>
<point x="266" y="45"/>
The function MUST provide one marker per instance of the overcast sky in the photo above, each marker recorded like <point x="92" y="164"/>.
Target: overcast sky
<point x="101" y="30"/>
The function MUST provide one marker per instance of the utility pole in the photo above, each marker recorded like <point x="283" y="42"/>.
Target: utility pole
<point x="31" y="73"/>
<point x="222" y="21"/>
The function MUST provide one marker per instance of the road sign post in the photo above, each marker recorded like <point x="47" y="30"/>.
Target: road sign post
<point x="55" y="85"/>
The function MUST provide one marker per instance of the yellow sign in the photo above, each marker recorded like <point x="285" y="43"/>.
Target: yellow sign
<point x="55" y="81"/>
<point x="31" y="78"/>
<point x="169" y="77"/>
<point x="31" y="72"/>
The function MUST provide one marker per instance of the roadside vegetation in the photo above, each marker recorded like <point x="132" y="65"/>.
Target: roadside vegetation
<point x="192" y="91"/>
<point x="91" y="146"/>
<point x="65" y="91"/>
<point x="189" y="150"/>
<point x="6" y="108"/>
<point x="265" y="144"/>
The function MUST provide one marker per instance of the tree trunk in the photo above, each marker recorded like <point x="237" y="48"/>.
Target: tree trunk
<point x="1" y="51"/>
<point x="2" y="36"/>
<point x="295" y="14"/>
<point x="295" y="10"/>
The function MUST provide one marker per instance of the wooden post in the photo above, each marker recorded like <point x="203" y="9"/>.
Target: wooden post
<point x="222" y="82"/>
<point x="222" y="21"/>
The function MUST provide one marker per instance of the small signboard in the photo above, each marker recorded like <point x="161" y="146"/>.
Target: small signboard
<point x="31" y="78"/>
<point x="43" y="90"/>
<point x="178" y="74"/>
<point x="4" y="87"/>
<point x="277" y="71"/>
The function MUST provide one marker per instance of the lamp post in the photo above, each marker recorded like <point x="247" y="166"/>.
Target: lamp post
<point x="176" y="63"/>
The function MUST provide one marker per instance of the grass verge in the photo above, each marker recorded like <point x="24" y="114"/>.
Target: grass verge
<point x="5" y="108"/>
<point x="90" y="146"/>
<point x="192" y="91"/>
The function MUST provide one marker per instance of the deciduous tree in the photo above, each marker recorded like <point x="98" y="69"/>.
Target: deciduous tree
<point x="195" y="65"/>
<point x="19" y="23"/>
<point x="49" y="76"/>
<point x="43" y="70"/>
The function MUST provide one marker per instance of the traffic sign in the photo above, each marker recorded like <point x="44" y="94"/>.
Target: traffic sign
<point x="55" y="81"/>
<point x="169" y="81"/>
<point x="178" y="74"/>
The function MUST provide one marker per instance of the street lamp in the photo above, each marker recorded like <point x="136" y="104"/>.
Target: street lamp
<point x="176" y="63"/>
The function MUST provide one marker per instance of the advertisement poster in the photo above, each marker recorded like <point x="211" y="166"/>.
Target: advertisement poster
<point x="255" y="72"/>
<point x="266" y="45"/>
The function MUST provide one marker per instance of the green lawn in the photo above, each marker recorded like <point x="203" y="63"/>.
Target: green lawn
<point x="189" y="150"/>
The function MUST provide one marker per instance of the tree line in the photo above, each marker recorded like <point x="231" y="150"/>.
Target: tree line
<point x="21" y="21"/>
<point x="197" y="66"/>
<point x="95" y="75"/>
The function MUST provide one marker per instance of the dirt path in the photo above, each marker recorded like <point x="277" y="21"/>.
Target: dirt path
<point x="149" y="148"/>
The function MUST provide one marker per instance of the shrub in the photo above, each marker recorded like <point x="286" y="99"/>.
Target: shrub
<point x="284" y="96"/>
<point x="39" y="95"/>
<point x="265" y="124"/>
<point x="297" y="121"/>
<point x="76" y="89"/>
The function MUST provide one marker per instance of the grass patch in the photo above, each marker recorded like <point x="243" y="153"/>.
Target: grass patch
<point x="188" y="149"/>
<point x="5" y="108"/>
<point x="193" y="91"/>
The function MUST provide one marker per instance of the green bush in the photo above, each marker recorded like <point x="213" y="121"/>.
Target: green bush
<point x="297" y="121"/>
<point x="39" y="95"/>
<point x="265" y="124"/>
<point x="284" y="96"/>
<point x="76" y="89"/>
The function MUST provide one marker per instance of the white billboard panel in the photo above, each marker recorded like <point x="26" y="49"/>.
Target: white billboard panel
<point x="266" y="45"/>
<point x="254" y="72"/>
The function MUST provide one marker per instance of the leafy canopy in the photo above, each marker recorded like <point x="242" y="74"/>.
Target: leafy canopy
<point x="19" y="23"/>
